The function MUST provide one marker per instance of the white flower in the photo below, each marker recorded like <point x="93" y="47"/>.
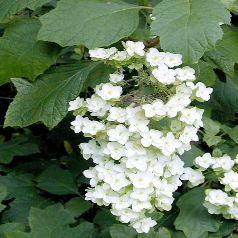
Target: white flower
<point x="134" y="148"/>
<point x="139" y="162"/>
<point x="168" y="144"/>
<point x="125" y="215"/>
<point x="137" y="120"/>
<point x="88" y="149"/>
<point x="172" y="60"/>
<point x="134" y="48"/>
<point x="123" y="202"/>
<point x="195" y="177"/>
<point x="224" y="163"/>
<point x="141" y="179"/>
<point x="177" y="103"/>
<point x="185" y="74"/>
<point x="202" y="91"/>
<point x="189" y="134"/>
<point x="192" y="116"/>
<point x="117" y="114"/>
<point x="92" y="127"/>
<point x="101" y="53"/>
<point x="164" y="75"/>
<point x="141" y="194"/>
<point x="115" y="150"/>
<point x="205" y="161"/>
<point x="164" y="202"/>
<point x="174" y="167"/>
<point x="156" y="108"/>
<point x="76" y="104"/>
<point x="78" y="123"/>
<point x="217" y="197"/>
<point x="154" y="57"/>
<point x="151" y="137"/>
<point x="120" y="134"/>
<point x="120" y="56"/>
<point x="118" y="181"/>
<point x="143" y="225"/>
<point x="138" y="206"/>
<point x="116" y="78"/>
<point x="107" y="91"/>
<point x="230" y="179"/>
<point x="97" y="106"/>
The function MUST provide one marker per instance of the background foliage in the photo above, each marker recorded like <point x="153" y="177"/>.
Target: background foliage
<point x="44" y="64"/>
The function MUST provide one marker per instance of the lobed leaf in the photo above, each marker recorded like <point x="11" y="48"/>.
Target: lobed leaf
<point x="93" y="23"/>
<point x="189" y="27"/>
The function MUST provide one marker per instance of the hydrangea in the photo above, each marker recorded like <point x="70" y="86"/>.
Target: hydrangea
<point x="219" y="201"/>
<point x="139" y="124"/>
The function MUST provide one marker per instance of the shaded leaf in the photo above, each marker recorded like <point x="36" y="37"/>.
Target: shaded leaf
<point x="232" y="132"/>
<point x="205" y="73"/>
<point x="53" y="222"/>
<point x="7" y="227"/>
<point x="21" y="188"/>
<point x="10" y="7"/>
<point x="47" y="100"/>
<point x="77" y="206"/>
<point x="225" y="53"/>
<point x="23" y="56"/>
<point x="57" y="181"/>
<point x="122" y="231"/>
<point x="225" y="95"/>
<point x="16" y="147"/>
<point x="3" y="194"/>
<point x="194" y="219"/>
<point x="189" y="156"/>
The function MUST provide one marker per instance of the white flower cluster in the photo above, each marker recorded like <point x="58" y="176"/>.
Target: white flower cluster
<point x="218" y="201"/>
<point x="138" y="167"/>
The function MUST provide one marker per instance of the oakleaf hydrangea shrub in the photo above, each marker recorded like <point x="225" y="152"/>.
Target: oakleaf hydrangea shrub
<point x="138" y="125"/>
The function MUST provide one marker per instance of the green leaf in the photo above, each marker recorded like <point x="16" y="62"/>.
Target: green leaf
<point x="189" y="156"/>
<point x="3" y="194"/>
<point x="57" y="181"/>
<point x="17" y="234"/>
<point x="178" y="234"/>
<point x="227" y="227"/>
<point x="211" y="139"/>
<point x="122" y="231"/>
<point x="91" y="23"/>
<point x="232" y="132"/>
<point x="189" y="27"/>
<point x="10" y="7"/>
<point x="225" y="95"/>
<point x="104" y="218"/>
<point x="21" y="55"/>
<point x="7" y="227"/>
<point x="205" y="73"/>
<point x="53" y="222"/>
<point x="47" y="100"/>
<point x="77" y="206"/>
<point x="161" y="233"/>
<point x="225" y="53"/>
<point x="16" y="147"/>
<point x="194" y="219"/>
<point x="21" y="188"/>
<point x="211" y="126"/>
